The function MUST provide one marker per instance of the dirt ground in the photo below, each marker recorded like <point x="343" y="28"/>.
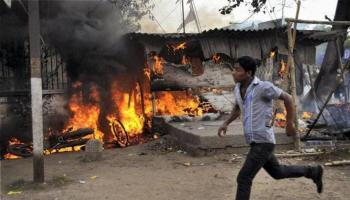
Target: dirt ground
<point x="150" y="171"/>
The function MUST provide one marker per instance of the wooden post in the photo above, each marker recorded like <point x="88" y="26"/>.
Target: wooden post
<point x="291" y="43"/>
<point x="340" y="23"/>
<point x="183" y="17"/>
<point x="36" y="91"/>
<point x="295" y="26"/>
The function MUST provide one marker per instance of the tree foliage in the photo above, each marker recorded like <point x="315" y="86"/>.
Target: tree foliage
<point x="133" y="10"/>
<point x="256" y="5"/>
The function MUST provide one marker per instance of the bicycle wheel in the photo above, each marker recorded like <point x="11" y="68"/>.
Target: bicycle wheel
<point x="120" y="133"/>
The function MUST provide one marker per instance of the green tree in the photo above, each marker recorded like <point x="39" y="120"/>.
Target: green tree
<point x="257" y="5"/>
<point x="132" y="11"/>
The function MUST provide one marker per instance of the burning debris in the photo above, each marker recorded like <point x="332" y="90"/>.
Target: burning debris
<point x="216" y="58"/>
<point x="15" y="144"/>
<point x="54" y="142"/>
<point x="174" y="48"/>
<point x="116" y="90"/>
<point x="158" y="65"/>
<point x="177" y="103"/>
<point x="110" y="92"/>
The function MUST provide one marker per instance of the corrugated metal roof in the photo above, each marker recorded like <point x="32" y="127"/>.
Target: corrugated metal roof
<point x="216" y="30"/>
<point x="305" y="34"/>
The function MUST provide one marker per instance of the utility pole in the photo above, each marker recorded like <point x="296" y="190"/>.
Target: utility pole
<point x="193" y="7"/>
<point x="36" y="91"/>
<point x="183" y="17"/>
<point x="283" y="6"/>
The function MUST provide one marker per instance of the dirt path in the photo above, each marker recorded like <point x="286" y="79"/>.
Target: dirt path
<point x="140" y="172"/>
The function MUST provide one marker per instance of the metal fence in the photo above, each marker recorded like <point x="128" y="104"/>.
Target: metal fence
<point x="15" y="69"/>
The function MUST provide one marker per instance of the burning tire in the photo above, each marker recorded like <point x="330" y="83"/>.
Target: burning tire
<point x="23" y="150"/>
<point x="120" y="133"/>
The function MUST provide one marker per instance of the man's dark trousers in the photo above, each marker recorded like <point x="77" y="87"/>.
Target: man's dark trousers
<point x="262" y="155"/>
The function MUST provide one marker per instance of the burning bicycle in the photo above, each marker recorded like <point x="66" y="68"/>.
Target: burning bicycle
<point x="55" y="142"/>
<point x="120" y="133"/>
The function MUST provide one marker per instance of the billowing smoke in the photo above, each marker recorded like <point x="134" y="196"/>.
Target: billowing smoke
<point x="11" y="27"/>
<point x="90" y="35"/>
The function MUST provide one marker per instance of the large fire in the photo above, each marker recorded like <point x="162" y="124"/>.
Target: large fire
<point x="129" y="111"/>
<point x="85" y="114"/>
<point x="132" y="109"/>
<point x="177" y="103"/>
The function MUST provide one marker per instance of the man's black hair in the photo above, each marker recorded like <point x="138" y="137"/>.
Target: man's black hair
<point x="248" y="63"/>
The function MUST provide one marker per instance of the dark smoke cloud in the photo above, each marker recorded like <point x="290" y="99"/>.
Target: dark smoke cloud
<point x="90" y="36"/>
<point x="11" y="27"/>
<point x="84" y="25"/>
<point x="87" y="33"/>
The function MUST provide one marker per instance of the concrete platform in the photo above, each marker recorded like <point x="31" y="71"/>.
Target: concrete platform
<point x="200" y="138"/>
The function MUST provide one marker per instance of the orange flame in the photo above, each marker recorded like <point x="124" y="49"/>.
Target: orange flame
<point x="216" y="58"/>
<point x="132" y="110"/>
<point x="181" y="46"/>
<point x="85" y="114"/>
<point x="132" y="120"/>
<point x="128" y="109"/>
<point x="280" y="119"/>
<point x="177" y="103"/>
<point x="14" y="141"/>
<point x="272" y="54"/>
<point x="10" y="156"/>
<point x="185" y="60"/>
<point x="307" y="115"/>
<point x="147" y="73"/>
<point x="283" y="68"/>
<point x="158" y="65"/>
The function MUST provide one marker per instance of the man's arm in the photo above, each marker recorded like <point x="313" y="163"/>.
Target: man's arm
<point x="234" y="114"/>
<point x="288" y="103"/>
